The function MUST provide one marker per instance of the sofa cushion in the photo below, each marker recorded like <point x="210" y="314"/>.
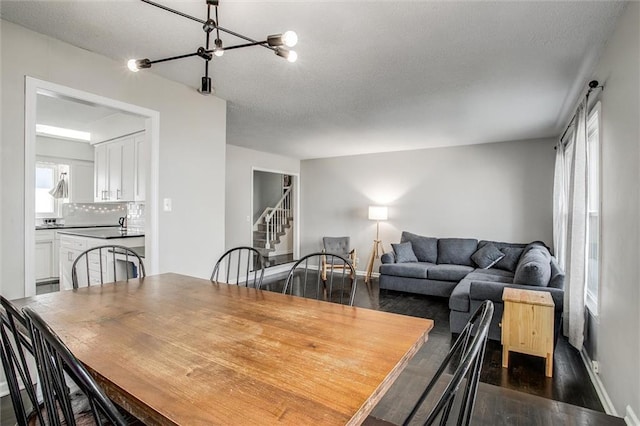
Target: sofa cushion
<point x="534" y="268"/>
<point x="404" y="253"/>
<point x="510" y="260"/>
<point x="409" y="270"/>
<point x="487" y="256"/>
<point x="459" y="299"/>
<point x="456" y="251"/>
<point x="479" y="275"/>
<point x="425" y="248"/>
<point x="446" y="272"/>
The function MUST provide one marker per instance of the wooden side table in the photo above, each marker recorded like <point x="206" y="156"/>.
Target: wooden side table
<point x="527" y="325"/>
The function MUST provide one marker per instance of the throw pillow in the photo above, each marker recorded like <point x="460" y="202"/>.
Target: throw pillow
<point x="487" y="256"/>
<point x="425" y="248"/>
<point x="404" y="253"/>
<point x="534" y="268"/>
<point x="510" y="260"/>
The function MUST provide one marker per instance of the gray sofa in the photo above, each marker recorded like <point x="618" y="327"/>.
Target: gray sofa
<point x="468" y="271"/>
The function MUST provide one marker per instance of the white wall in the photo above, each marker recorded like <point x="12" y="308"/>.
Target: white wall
<point x="499" y="191"/>
<point x="240" y="165"/>
<point x="115" y="125"/>
<point x="191" y="157"/>
<point x="60" y="148"/>
<point x="618" y="339"/>
<point x="267" y="191"/>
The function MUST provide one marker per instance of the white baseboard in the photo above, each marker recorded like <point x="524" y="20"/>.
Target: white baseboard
<point x="599" y="386"/>
<point x="631" y="419"/>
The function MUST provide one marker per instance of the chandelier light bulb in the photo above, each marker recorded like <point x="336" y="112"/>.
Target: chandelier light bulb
<point x="132" y="64"/>
<point x="290" y="38"/>
<point x="218" y="50"/>
<point x="292" y="57"/>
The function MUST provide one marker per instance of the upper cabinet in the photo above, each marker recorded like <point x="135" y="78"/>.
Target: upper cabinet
<point x="119" y="175"/>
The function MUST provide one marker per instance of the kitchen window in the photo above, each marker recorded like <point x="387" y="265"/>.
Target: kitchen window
<point x="47" y="176"/>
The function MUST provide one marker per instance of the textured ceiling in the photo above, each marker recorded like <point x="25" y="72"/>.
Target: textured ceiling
<point x="372" y="76"/>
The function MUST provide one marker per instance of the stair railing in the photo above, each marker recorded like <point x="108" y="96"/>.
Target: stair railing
<point x="276" y="216"/>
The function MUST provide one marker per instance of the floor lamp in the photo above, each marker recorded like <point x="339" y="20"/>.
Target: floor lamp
<point x="376" y="213"/>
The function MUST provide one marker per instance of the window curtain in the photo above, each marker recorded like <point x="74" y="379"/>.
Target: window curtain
<point x="570" y="223"/>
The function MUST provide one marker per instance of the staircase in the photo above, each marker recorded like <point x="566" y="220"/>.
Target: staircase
<point x="274" y="222"/>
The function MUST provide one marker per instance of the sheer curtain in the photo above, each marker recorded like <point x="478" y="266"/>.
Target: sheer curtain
<point x="570" y="223"/>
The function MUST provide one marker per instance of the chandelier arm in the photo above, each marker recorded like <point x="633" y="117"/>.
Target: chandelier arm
<point x="250" y="40"/>
<point x="239" y="46"/>
<point x="177" y="12"/>
<point x="217" y="26"/>
<point x="188" y="55"/>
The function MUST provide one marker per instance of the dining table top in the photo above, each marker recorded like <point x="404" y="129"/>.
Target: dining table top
<point x="174" y="349"/>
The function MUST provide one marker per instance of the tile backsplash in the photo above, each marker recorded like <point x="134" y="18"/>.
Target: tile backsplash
<point x="79" y="214"/>
<point x="135" y="216"/>
<point x="93" y="213"/>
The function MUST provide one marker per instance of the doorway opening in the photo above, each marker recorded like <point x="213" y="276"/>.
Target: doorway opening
<point x="274" y="221"/>
<point x="70" y="163"/>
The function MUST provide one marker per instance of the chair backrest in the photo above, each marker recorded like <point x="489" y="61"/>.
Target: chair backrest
<point x="337" y="245"/>
<point x="240" y="263"/>
<point x="16" y="351"/>
<point x="305" y="279"/>
<point x="470" y="347"/>
<point x="54" y="359"/>
<point x="106" y="264"/>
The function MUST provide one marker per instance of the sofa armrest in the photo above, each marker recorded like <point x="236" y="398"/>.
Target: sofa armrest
<point x="389" y="257"/>
<point x="485" y="290"/>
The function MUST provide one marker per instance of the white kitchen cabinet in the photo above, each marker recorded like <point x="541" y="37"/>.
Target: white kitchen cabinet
<point x="71" y="246"/>
<point x="116" y="170"/>
<point x="114" y="173"/>
<point x="46" y="256"/>
<point x="81" y="182"/>
<point x="101" y="173"/>
<point x="128" y="171"/>
<point x="140" y="168"/>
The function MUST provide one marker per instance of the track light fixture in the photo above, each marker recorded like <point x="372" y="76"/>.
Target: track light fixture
<point x="279" y="43"/>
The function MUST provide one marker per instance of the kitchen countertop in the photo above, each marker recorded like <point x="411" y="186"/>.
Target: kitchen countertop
<point x="60" y="226"/>
<point x="104" y="233"/>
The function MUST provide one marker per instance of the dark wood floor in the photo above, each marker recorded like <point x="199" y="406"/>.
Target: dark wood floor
<point x="570" y="382"/>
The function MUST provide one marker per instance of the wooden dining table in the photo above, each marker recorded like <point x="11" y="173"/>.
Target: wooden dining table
<point x="177" y="350"/>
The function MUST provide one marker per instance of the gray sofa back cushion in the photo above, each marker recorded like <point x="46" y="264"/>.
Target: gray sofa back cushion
<point x="425" y="248"/>
<point x="456" y="251"/>
<point x="534" y="267"/>
<point x="500" y="244"/>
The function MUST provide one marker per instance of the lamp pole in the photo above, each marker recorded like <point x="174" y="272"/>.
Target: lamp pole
<point x="376" y="213"/>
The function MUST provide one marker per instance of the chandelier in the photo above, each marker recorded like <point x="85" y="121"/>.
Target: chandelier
<point x="278" y="43"/>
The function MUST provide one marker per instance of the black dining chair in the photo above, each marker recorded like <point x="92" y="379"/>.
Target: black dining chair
<point x="441" y="396"/>
<point x="242" y="265"/>
<point x="16" y="352"/>
<point x="106" y="264"/>
<point x="56" y="366"/>
<point x="307" y="278"/>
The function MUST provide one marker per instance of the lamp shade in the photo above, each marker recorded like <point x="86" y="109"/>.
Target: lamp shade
<point x="378" y="213"/>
